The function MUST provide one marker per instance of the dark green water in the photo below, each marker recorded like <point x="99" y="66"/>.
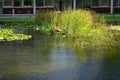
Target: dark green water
<point x="46" y="58"/>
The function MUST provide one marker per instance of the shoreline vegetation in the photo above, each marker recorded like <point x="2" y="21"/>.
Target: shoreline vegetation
<point x="84" y="28"/>
<point x="81" y="27"/>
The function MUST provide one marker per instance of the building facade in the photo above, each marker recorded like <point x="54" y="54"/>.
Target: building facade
<point x="31" y="6"/>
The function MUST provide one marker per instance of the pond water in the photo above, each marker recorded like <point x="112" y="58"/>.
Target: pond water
<point x="46" y="58"/>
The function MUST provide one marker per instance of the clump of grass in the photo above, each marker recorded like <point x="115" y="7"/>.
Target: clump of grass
<point x="116" y="31"/>
<point x="73" y="21"/>
<point x="81" y="27"/>
<point x="94" y="38"/>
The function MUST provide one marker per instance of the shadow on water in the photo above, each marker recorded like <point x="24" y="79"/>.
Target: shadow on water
<point x="47" y="58"/>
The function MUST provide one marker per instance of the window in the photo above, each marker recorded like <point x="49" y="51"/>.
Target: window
<point x="48" y="2"/>
<point x="87" y="3"/>
<point x="27" y="2"/>
<point x="104" y="2"/>
<point x="7" y="2"/>
<point x="17" y="2"/>
<point x="44" y="2"/>
<point x="95" y="2"/>
<point x="56" y="5"/>
<point x="79" y="3"/>
<point x="39" y="2"/>
<point x="118" y="2"/>
<point x="115" y="2"/>
<point x="68" y="4"/>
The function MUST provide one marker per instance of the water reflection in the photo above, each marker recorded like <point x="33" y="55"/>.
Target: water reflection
<point x="46" y="58"/>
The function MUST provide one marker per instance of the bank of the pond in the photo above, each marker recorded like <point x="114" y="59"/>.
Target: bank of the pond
<point x="109" y="17"/>
<point x="86" y="41"/>
<point x="83" y="28"/>
<point x="16" y="19"/>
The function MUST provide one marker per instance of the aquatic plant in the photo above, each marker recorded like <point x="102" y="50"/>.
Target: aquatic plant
<point x="9" y="35"/>
<point x="82" y="27"/>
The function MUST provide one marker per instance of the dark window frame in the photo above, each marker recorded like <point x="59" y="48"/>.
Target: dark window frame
<point x="17" y="3"/>
<point x="6" y="2"/>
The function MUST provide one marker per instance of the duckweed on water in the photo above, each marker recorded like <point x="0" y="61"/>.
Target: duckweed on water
<point x="9" y="35"/>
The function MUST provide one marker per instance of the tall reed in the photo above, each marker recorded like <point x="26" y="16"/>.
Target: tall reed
<point x="82" y="27"/>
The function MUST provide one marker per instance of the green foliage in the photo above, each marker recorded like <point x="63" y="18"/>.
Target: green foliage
<point x="9" y="35"/>
<point x="73" y="21"/>
<point x="116" y="31"/>
<point x="94" y="38"/>
<point x="82" y="27"/>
